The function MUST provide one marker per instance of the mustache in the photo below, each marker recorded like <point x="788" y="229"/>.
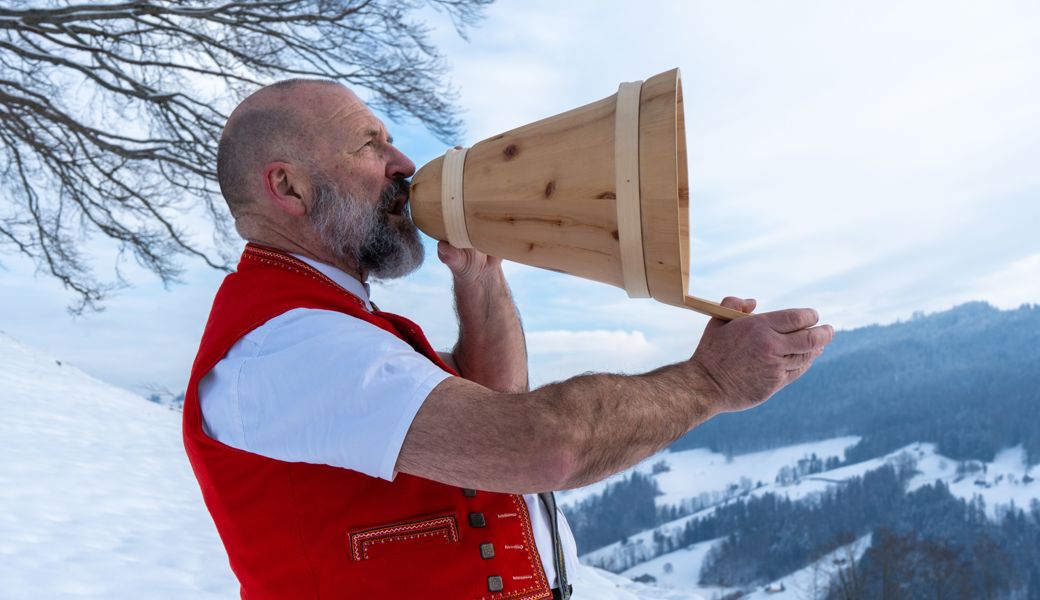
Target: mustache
<point x="397" y="188"/>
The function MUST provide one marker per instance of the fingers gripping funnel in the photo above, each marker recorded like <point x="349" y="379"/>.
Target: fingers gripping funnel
<point x="599" y="192"/>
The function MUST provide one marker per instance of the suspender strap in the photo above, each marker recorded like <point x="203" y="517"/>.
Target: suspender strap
<point x="561" y="570"/>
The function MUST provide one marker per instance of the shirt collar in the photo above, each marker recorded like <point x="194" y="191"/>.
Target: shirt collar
<point x="342" y="278"/>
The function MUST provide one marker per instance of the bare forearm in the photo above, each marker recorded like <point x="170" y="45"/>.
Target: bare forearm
<point x="610" y="422"/>
<point x="491" y="349"/>
<point x="560" y="436"/>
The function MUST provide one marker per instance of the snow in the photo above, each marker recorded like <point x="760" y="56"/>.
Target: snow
<point x="97" y="499"/>
<point x="699" y="471"/>
<point x="811" y="582"/>
<point x="720" y="477"/>
<point x="684" y="572"/>
<point x="808" y="582"/>
<point x="595" y="584"/>
<point x="712" y="480"/>
<point x="999" y="483"/>
<point x="696" y="471"/>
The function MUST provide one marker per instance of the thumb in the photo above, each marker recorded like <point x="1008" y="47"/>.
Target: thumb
<point x="449" y="255"/>
<point x="744" y="305"/>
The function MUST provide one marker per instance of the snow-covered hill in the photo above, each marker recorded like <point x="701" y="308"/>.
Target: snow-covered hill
<point x="702" y="473"/>
<point x="97" y="499"/>
<point x="689" y="474"/>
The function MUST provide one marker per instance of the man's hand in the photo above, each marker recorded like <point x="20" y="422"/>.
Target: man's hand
<point x="491" y="349"/>
<point x="468" y="265"/>
<point x="750" y="359"/>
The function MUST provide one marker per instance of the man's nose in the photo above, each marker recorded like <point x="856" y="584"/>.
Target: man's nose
<point x="399" y="165"/>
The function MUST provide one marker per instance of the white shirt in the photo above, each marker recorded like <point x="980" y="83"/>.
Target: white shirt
<point x="323" y="387"/>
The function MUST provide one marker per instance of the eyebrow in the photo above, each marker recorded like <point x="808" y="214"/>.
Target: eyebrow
<point x="375" y="133"/>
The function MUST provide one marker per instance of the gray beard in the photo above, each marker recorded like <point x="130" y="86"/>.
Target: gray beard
<point x="361" y="234"/>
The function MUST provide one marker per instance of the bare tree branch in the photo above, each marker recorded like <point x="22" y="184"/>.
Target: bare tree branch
<point x="110" y="113"/>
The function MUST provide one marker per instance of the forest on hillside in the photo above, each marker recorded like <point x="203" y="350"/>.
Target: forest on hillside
<point x="967" y="379"/>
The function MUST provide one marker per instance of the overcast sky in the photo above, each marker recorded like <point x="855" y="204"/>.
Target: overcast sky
<point x="869" y="159"/>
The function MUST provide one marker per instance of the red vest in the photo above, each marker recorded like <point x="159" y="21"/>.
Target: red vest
<point x="298" y="530"/>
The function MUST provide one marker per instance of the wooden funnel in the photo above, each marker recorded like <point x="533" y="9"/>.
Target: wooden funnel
<point x="599" y="192"/>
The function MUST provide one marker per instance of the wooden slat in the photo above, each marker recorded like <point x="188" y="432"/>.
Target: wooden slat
<point x="626" y="175"/>
<point x="452" y="200"/>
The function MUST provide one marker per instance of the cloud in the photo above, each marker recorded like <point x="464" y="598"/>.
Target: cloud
<point x="867" y="159"/>
<point x="838" y="152"/>
<point x="1007" y="287"/>
<point x="559" y="354"/>
<point x="563" y="341"/>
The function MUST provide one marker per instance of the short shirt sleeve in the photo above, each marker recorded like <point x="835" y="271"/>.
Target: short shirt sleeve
<point x="320" y="387"/>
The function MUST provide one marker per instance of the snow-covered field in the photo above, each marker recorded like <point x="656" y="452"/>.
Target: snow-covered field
<point x="679" y="569"/>
<point x="695" y="472"/>
<point x="811" y="582"/>
<point x="1005" y="481"/>
<point x="710" y="476"/>
<point x="691" y="473"/>
<point x="97" y="499"/>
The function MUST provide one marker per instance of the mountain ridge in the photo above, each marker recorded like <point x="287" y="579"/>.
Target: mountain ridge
<point x="959" y="378"/>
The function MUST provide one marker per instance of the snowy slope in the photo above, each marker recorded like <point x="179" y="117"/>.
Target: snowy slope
<point x="680" y="569"/>
<point x="693" y="473"/>
<point x="713" y="480"/>
<point x="1001" y="483"/>
<point x="811" y="582"/>
<point x="97" y="499"/>
<point x="1004" y="481"/>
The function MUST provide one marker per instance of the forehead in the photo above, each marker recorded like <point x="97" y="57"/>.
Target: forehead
<point x="345" y="113"/>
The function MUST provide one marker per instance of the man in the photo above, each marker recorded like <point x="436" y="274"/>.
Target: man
<point x="342" y="457"/>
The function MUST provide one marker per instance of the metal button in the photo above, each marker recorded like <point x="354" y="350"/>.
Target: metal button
<point x="495" y="584"/>
<point x="469" y="493"/>
<point x="477" y="520"/>
<point x="487" y="551"/>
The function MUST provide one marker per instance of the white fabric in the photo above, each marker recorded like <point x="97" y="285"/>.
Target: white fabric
<point x="318" y="386"/>
<point x="345" y="280"/>
<point x="323" y="387"/>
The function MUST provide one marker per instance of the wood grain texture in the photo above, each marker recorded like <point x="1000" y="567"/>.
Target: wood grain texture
<point x="425" y="200"/>
<point x="712" y="309"/>
<point x="545" y="195"/>
<point x="663" y="190"/>
<point x="626" y="173"/>
<point x="452" y="199"/>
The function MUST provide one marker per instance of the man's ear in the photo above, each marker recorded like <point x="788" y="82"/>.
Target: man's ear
<point x="286" y="187"/>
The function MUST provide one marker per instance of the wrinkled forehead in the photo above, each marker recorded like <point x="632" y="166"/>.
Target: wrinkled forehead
<point x="345" y="119"/>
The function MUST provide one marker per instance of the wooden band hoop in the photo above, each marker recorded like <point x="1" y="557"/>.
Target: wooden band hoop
<point x="452" y="204"/>
<point x="626" y="177"/>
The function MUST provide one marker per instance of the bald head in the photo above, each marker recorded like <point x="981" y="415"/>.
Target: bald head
<point x="274" y="124"/>
<point x="305" y="166"/>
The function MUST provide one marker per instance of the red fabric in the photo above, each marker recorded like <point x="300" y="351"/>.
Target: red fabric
<point x="297" y="530"/>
